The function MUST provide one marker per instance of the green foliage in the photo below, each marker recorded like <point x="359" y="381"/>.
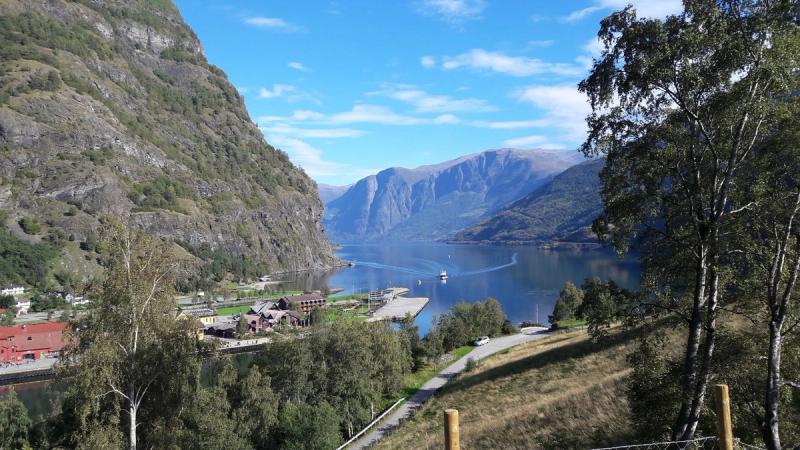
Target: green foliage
<point x="30" y="225"/>
<point x="603" y="304"/>
<point x="7" y="301"/>
<point x="14" y="422"/>
<point x="33" y="28"/>
<point x="41" y="303"/>
<point x="364" y="364"/>
<point x="568" y="303"/>
<point x="306" y="426"/>
<point x="162" y="192"/>
<point x="23" y="262"/>
<point x="99" y="157"/>
<point x="463" y="324"/>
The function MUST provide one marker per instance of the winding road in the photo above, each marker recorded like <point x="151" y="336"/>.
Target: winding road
<point x="429" y="389"/>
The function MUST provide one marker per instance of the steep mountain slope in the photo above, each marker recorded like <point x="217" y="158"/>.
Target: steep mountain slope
<point x="111" y="107"/>
<point x="432" y="202"/>
<point x="561" y="210"/>
<point x="329" y="193"/>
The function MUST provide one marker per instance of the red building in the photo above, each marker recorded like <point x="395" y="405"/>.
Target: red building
<point x="31" y="341"/>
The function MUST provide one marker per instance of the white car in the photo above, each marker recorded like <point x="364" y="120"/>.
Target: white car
<point x="483" y="340"/>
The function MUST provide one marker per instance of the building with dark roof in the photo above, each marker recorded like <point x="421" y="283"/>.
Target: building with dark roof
<point x="303" y="303"/>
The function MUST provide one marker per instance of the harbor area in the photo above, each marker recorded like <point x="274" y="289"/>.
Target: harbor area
<point x="394" y="306"/>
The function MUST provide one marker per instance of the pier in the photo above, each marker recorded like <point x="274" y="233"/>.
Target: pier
<point x="398" y="307"/>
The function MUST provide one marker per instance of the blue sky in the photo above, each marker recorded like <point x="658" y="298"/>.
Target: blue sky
<point x="348" y="88"/>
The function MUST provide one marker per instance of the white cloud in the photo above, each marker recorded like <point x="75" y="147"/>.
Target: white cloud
<point x="533" y="141"/>
<point x="577" y="15"/>
<point x="452" y="11"/>
<point x="277" y="91"/>
<point x="430" y="103"/>
<point x="518" y="66"/>
<point x="242" y="90"/>
<point x="307" y="156"/>
<point x="644" y="8"/>
<point x="564" y="108"/>
<point x="427" y="61"/>
<point x="272" y="23"/>
<point x="363" y="113"/>
<point x="447" y="119"/>
<point x="325" y="133"/>
<point x="540" y="43"/>
<point x="512" y="124"/>
<point x="298" y="66"/>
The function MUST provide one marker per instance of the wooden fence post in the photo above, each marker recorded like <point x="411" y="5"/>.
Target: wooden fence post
<point x="451" y="435"/>
<point x="724" y="423"/>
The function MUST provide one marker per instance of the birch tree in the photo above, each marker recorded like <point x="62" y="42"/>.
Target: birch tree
<point x="677" y="107"/>
<point x="134" y="365"/>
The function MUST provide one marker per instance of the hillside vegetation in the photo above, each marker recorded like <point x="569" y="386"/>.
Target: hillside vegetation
<point x="560" y="392"/>
<point x="560" y="211"/>
<point x="112" y="107"/>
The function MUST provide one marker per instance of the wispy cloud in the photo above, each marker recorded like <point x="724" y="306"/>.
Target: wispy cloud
<point x="424" y="102"/>
<point x="579" y="14"/>
<point x="518" y="66"/>
<point x="540" y="43"/>
<point x="287" y="91"/>
<point x="532" y="141"/>
<point x="452" y="11"/>
<point x="364" y="113"/>
<point x="306" y="156"/>
<point x="563" y="106"/>
<point x="320" y="133"/>
<point x="273" y="23"/>
<point x="277" y="91"/>
<point x="298" y="66"/>
<point x="428" y="61"/>
<point x="644" y="8"/>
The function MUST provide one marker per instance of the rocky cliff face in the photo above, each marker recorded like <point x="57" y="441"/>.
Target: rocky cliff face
<point x="560" y="211"/>
<point x="433" y="202"/>
<point x="111" y="107"/>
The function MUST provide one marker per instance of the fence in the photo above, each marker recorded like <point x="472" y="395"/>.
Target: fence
<point x="724" y="440"/>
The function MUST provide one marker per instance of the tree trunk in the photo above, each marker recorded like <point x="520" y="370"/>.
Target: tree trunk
<point x="771" y="431"/>
<point x="132" y="410"/>
<point x="692" y="348"/>
<point x="702" y="378"/>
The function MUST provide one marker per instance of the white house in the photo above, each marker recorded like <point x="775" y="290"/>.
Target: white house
<point x="12" y="290"/>
<point x="23" y="305"/>
<point x="75" y="300"/>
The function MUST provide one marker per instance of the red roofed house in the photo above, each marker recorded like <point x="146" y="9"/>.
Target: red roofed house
<point x="31" y="341"/>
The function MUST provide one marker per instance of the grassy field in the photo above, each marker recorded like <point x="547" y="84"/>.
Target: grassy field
<point x="336" y="298"/>
<point x="561" y="392"/>
<point x="233" y="310"/>
<point x="415" y="380"/>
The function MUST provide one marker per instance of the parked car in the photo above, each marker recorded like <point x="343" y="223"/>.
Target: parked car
<point x="483" y="340"/>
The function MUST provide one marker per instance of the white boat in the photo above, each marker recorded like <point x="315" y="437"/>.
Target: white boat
<point x="443" y="275"/>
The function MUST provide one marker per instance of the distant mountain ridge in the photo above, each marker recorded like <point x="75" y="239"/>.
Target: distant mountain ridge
<point x="435" y="201"/>
<point x="562" y="210"/>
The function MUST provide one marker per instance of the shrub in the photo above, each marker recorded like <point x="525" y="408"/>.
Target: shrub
<point x="30" y="225"/>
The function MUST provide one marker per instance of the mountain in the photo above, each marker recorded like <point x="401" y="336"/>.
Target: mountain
<point x="562" y="210"/>
<point x="329" y="193"/>
<point x="433" y="202"/>
<point x="111" y="107"/>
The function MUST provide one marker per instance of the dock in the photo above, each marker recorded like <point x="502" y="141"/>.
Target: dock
<point x="397" y="308"/>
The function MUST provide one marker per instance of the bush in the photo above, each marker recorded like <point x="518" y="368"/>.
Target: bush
<point x="471" y="365"/>
<point x="464" y="323"/>
<point x="30" y="225"/>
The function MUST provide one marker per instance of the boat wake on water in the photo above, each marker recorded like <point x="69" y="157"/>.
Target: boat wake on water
<point x="424" y="273"/>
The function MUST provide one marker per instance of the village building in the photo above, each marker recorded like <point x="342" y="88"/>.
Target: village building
<point x="205" y="315"/>
<point x="31" y="341"/>
<point x="23" y="305"/>
<point x="271" y="320"/>
<point x="12" y="290"/>
<point x="303" y="303"/>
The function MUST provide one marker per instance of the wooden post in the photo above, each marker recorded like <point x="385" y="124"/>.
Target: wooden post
<point x="724" y="424"/>
<point x="451" y="436"/>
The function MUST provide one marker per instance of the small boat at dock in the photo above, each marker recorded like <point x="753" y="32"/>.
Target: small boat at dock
<point x="443" y="275"/>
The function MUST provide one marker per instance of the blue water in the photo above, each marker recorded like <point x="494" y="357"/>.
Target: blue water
<point x="522" y="278"/>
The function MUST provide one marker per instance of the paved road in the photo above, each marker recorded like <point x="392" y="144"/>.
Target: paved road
<point x="428" y="389"/>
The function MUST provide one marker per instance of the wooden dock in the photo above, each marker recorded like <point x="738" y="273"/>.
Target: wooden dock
<point x="399" y="306"/>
